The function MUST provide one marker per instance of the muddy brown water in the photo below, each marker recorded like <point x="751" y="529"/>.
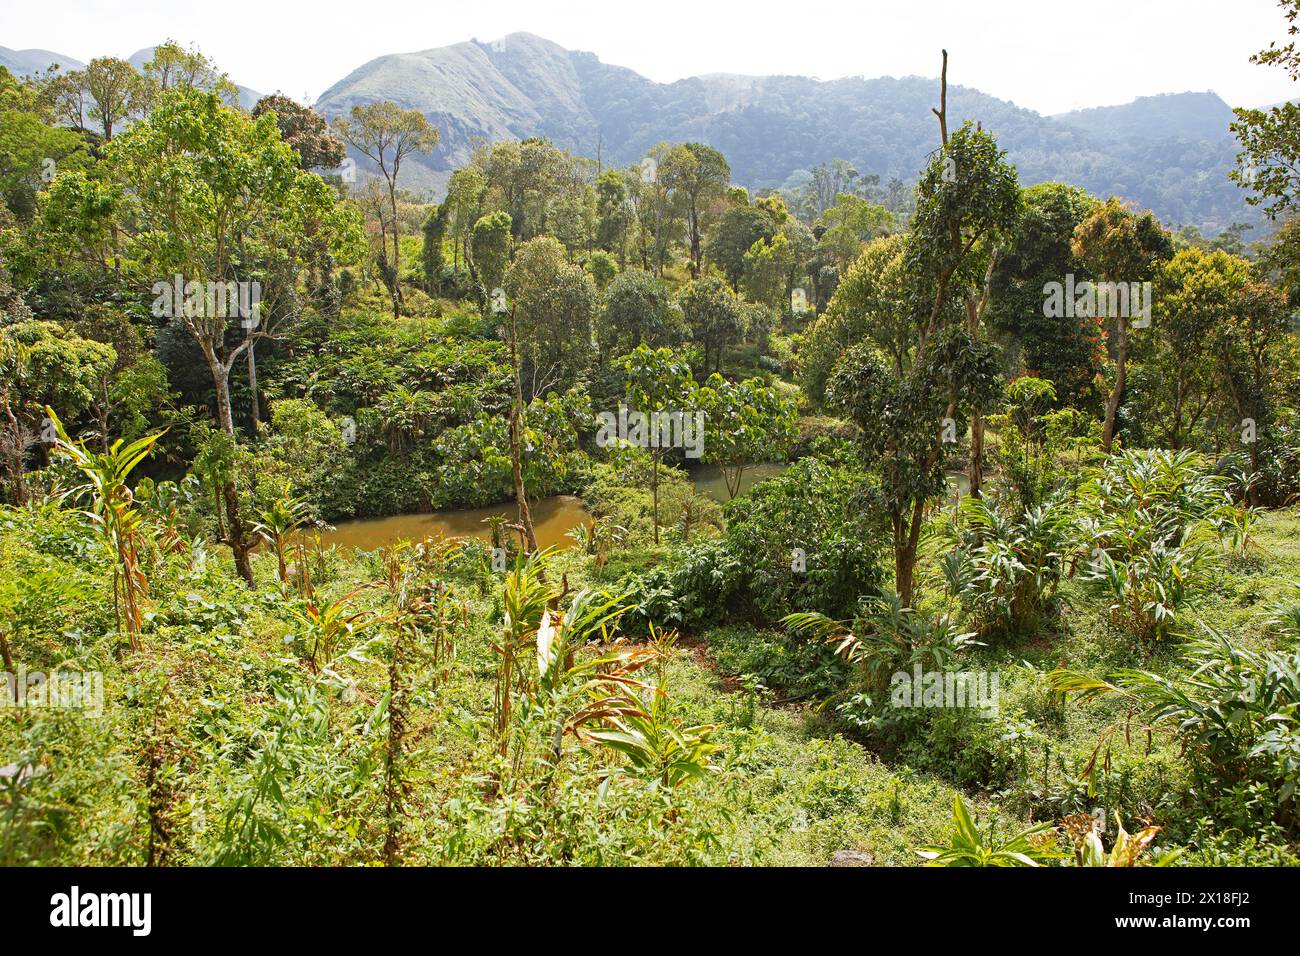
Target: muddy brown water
<point x="553" y="518"/>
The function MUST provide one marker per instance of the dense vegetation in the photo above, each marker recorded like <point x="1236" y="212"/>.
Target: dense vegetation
<point x="1022" y="592"/>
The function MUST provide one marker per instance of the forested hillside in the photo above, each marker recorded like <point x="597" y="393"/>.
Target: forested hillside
<point x="1171" y="154"/>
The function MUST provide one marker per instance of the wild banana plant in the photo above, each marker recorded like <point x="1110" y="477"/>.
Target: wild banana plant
<point x="119" y="522"/>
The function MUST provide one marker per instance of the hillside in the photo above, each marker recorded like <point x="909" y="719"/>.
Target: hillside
<point x="29" y="62"/>
<point x="1169" y="153"/>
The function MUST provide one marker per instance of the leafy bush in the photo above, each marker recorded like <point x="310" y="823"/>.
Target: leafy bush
<point x="804" y="540"/>
<point x="1147" y="520"/>
<point x="1007" y="567"/>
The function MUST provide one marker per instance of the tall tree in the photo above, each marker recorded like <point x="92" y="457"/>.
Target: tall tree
<point x="1118" y="245"/>
<point x="304" y="129"/>
<point x="247" y="197"/>
<point x="920" y="369"/>
<point x="386" y="134"/>
<point x="699" y="174"/>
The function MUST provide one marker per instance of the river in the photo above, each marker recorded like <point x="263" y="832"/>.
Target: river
<point x="553" y="518"/>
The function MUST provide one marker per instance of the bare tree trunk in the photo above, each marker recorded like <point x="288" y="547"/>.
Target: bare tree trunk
<point x="255" y="403"/>
<point x="235" y="537"/>
<point x="516" y="439"/>
<point x="1116" y="393"/>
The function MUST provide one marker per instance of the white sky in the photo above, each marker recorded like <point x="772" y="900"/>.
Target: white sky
<point x="1048" y="55"/>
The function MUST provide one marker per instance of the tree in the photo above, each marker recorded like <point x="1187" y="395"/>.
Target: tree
<point x="1067" y="349"/>
<point x="464" y="207"/>
<point x="698" y="174"/>
<point x="386" y="134"/>
<point x="737" y="231"/>
<point x="657" y="383"/>
<point x="555" y="302"/>
<point x="490" y="253"/>
<point x="639" y="311"/>
<point x="172" y="67"/>
<point x="922" y="366"/>
<point x="42" y="365"/>
<point x="613" y="213"/>
<point x="714" y="316"/>
<point x="872" y="286"/>
<point x="1245" y="343"/>
<point x="304" y="129"/>
<point x="1119" y="246"/>
<point x="848" y="225"/>
<point x="748" y="422"/>
<point x="1194" y="292"/>
<point x="431" y="255"/>
<point x="115" y="92"/>
<point x="1269" y="161"/>
<point x="31" y="153"/>
<point x="247" y="197"/>
<point x="657" y="210"/>
<point x="603" y="269"/>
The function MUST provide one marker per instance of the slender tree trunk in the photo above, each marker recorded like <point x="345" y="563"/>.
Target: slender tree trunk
<point x="516" y="440"/>
<point x="976" y="453"/>
<point x="397" y="251"/>
<point x="235" y="535"/>
<point x="255" y="405"/>
<point x="1116" y="393"/>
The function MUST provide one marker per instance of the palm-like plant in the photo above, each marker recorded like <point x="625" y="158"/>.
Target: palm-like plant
<point x="113" y="513"/>
<point x="1236" y="711"/>
<point x="887" y="637"/>
<point x="1008" y="567"/>
<point x="1148" y="524"/>
<point x="276" y="524"/>
<point x="326" y="627"/>
<point x="1284" y="615"/>
<point x="968" y="846"/>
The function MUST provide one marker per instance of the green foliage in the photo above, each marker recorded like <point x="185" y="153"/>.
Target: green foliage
<point x="971" y="847"/>
<point x="1147" y="528"/>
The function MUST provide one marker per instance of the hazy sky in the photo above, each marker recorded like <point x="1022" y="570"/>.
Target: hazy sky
<point x="1047" y="55"/>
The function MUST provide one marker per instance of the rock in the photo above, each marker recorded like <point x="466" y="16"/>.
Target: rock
<point x="852" y="858"/>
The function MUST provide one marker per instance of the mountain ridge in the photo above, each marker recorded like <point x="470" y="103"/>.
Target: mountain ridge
<point x="1170" y="152"/>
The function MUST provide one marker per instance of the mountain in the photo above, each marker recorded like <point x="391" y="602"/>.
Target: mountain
<point x="1196" y="116"/>
<point x="247" y="98"/>
<point x="1168" y="153"/>
<point x="30" y="62"/>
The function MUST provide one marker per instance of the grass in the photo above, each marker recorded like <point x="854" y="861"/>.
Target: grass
<point x="792" y="784"/>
